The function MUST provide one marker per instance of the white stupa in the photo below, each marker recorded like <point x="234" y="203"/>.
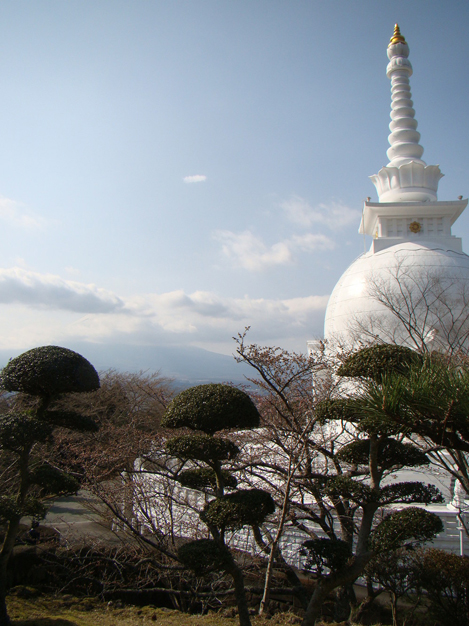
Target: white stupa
<point x="411" y="230"/>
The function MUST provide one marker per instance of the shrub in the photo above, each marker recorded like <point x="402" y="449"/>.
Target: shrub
<point x="345" y="409"/>
<point x="323" y="553"/>
<point x="211" y="408"/>
<point x="246" y="507"/>
<point x="203" y="556"/>
<point x="376" y="361"/>
<point x="391" y="453"/>
<point x="411" y="526"/>
<point x="445" y="577"/>
<point x="201" y="448"/>
<point x="205" y="478"/>
<point x="49" y="370"/>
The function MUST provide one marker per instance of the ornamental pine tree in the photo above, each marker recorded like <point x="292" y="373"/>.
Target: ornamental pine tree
<point x="206" y="410"/>
<point x="357" y="489"/>
<point x="40" y="375"/>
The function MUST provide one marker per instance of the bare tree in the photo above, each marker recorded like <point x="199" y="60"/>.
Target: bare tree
<point x="422" y="309"/>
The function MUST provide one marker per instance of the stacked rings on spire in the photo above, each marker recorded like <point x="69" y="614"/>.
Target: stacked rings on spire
<point x="404" y="138"/>
<point x="406" y="178"/>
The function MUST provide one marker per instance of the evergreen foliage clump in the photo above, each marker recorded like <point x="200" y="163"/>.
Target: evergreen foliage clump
<point x="202" y="448"/>
<point x="445" y="578"/>
<point x="345" y="409"/>
<point x="211" y="408"/>
<point x="376" y="361"/>
<point x="410" y="526"/>
<point x="245" y="507"/>
<point x="70" y="419"/>
<point x="392" y="453"/>
<point x="205" y="479"/>
<point x="203" y="556"/>
<point x="53" y="481"/>
<point x="326" y="555"/>
<point x="18" y="431"/>
<point x="49" y="370"/>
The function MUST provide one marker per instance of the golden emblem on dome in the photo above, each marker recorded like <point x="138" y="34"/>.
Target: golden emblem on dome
<point x="415" y="227"/>
<point x="396" y="36"/>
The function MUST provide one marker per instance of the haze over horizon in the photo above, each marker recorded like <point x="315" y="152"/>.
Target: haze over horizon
<point x="171" y="172"/>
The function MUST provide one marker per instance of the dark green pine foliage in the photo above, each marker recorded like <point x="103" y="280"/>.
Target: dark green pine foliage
<point x="40" y="376"/>
<point x="206" y="410"/>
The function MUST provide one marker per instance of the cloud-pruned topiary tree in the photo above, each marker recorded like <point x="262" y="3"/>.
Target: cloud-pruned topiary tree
<point x="210" y="409"/>
<point x="357" y="489"/>
<point x="40" y="376"/>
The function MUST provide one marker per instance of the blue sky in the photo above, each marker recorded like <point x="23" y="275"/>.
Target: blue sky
<point x="172" y="171"/>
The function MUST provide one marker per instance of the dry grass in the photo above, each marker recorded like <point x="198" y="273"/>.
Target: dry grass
<point x="70" y="611"/>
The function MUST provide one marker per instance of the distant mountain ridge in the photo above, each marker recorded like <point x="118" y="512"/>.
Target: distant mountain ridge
<point x="186" y="365"/>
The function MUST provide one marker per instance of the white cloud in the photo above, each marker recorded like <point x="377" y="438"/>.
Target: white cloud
<point x="13" y="213"/>
<point x="197" y="178"/>
<point x="333" y="215"/>
<point x="312" y="243"/>
<point x="251" y="253"/>
<point x="204" y="319"/>
<point x="72" y="271"/>
<point x="18" y="285"/>
<point x="48" y="309"/>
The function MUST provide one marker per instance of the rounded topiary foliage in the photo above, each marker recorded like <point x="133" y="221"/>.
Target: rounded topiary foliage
<point x="53" y="481"/>
<point x="378" y="360"/>
<point x="10" y="509"/>
<point x="201" y="448"/>
<point x="49" y="370"/>
<point x="246" y="507"/>
<point x="327" y="553"/>
<point x="203" y="556"/>
<point x="211" y="408"/>
<point x="21" y="431"/>
<point x="391" y="453"/>
<point x="203" y="479"/>
<point x="411" y="525"/>
<point x="445" y="577"/>
<point x="345" y="409"/>
<point x="71" y="420"/>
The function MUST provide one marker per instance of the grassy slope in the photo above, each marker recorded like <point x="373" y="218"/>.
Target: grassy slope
<point x="69" y="611"/>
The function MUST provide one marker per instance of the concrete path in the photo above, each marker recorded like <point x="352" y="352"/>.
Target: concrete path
<point x="76" y="519"/>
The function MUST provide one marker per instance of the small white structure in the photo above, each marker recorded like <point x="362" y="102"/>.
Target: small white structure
<point x="411" y="229"/>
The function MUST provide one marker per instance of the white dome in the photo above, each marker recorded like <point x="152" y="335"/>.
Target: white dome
<point x="421" y="270"/>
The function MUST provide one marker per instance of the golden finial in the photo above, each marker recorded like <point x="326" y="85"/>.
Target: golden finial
<point x="396" y="36"/>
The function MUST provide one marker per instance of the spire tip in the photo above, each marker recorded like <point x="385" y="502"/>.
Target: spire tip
<point x="396" y="37"/>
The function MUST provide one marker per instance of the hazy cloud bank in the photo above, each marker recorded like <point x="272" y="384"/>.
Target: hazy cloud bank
<point x="48" y="309"/>
<point x="52" y="292"/>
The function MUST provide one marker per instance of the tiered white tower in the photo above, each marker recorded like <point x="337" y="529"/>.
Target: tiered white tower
<point x="411" y="229"/>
